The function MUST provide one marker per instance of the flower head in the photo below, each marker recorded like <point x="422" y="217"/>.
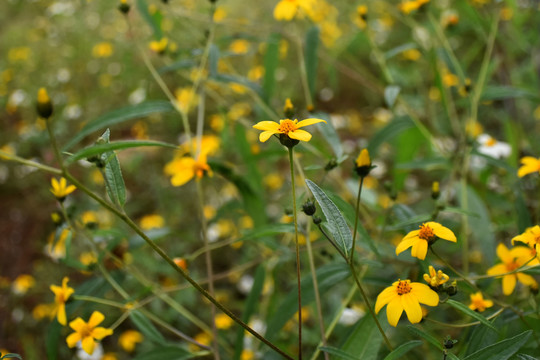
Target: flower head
<point x="129" y="339"/>
<point x="405" y="295"/>
<point x="493" y="148"/>
<point x="159" y="46"/>
<point x="512" y="260"/>
<point x="478" y="303"/>
<point x="186" y="168"/>
<point x="44" y="104"/>
<point x="60" y="189"/>
<point x="61" y="296"/>
<point x="363" y="163"/>
<point x="287" y="127"/>
<point x="529" y="165"/>
<point x="531" y="237"/>
<point x="287" y="9"/>
<point x="435" y="278"/>
<point x="87" y="332"/>
<point x="420" y="239"/>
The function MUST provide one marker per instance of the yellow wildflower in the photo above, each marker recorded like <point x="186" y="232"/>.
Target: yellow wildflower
<point x="289" y="128"/>
<point x="109" y="356"/>
<point x="529" y="165"/>
<point x="420" y="239"/>
<point x="531" y="237"/>
<point x="186" y="98"/>
<point x="60" y="189"/>
<point x="23" y="283"/>
<point x="360" y="18"/>
<point x="42" y="311"/>
<point x="223" y="321"/>
<point x="44" y="104"/>
<point x="478" y="303"/>
<point x="363" y="163"/>
<point x="512" y="260"/>
<point x="87" y="332"/>
<point x="186" y="168"/>
<point x="129" y="339"/>
<point x="435" y="278"/>
<point x="89" y="219"/>
<point x="411" y="54"/>
<point x="56" y="246"/>
<point x="102" y="50"/>
<point x="159" y="46"/>
<point x="405" y="295"/>
<point x="219" y="14"/>
<point x="201" y="338"/>
<point x="152" y="221"/>
<point x="287" y="9"/>
<point x="61" y="296"/>
<point x="239" y="46"/>
<point x="247" y="355"/>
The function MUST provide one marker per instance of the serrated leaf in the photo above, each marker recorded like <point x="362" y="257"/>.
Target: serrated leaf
<point x="118" y="116"/>
<point x="338" y="352"/>
<point x="146" y="327"/>
<point x="338" y="226"/>
<point x="402" y="349"/>
<point x="465" y="309"/>
<point x="112" y="174"/>
<point x="99" y="149"/>
<point x="429" y="338"/>
<point x="391" y="93"/>
<point x="311" y="57"/>
<point x="502" y="350"/>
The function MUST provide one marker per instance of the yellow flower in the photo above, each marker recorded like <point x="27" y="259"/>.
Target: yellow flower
<point x="405" y="295"/>
<point x="128" y="339"/>
<point x="44" y="105"/>
<point x="201" y="338"/>
<point x="87" y="332"/>
<point x="23" y="283"/>
<point x="186" y="168"/>
<point x="223" y="321"/>
<point x="420" y="239"/>
<point x="478" y="303"/>
<point x="247" y="355"/>
<point x="102" y="50"/>
<point x="42" y="311"/>
<point x="361" y="16"/>
<point x="512" y="260"/>
<point x="60" y="189"/>
<point x="411" y="54"/>
<point x="287" y="9"/>
<point x="531" y="237"/>
<point x="61" y="295"/>
<point x="159" y="46"/>
<point x="186" y="98"/>
<point x="529" y="165"/>
<point x="109" y="356"/>
<point x="153" y="221"/>
<point x="363" y="163"/>
<point x="290" y="128"/>
<point x="56" y="246"/>
<point x="239" y="46"/>
<point x="435" y="278"/>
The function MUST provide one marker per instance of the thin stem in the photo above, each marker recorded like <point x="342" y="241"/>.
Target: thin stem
<point x="96" y="300"/>
<point x="492" y="316"/>
<point x="10" y="157"/>
<point x="332" y="242"/>
<point x="291" y="162"/>
<point x="453" y="269"/>
<point x="357" y="215"/>
<point x="54" y="144"/>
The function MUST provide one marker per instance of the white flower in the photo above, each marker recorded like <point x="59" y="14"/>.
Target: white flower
<point x="350" y="316"/>
<point x="493" y="148"/>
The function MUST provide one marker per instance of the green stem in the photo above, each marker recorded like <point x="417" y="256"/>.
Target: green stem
<point x="54" y="144"/>
<point x="332" y="242"/>
<point x="99" y="301"/>
<point x="6" y="156"/>
<point x="291" y="162"/>
<point x="357" y="215"/>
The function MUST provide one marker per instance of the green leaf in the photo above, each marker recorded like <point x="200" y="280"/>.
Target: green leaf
<point x="52" y="339"/>
<point x="525" y="357"/>
<point x="391" y="93"/>
<point x="399" y="49"/>
<point x="11" y="356"/>
<point x="146" y="327"/>
<point x="167" y="353"/>
<point x="339" y="353"/>
<point x="114" y="181"/>
<point x="429" y="338"/>
<point x="118" y="116"/>
<point x="338" y="226"/>
<point x="311" y="57"/>
<point x="480" y="337"/>
<point x="271" y="61"/>
<point x="365" y="340"/>
<point x="402" y="349"/>
<point x="503" y="349"/>
<point x="394" y="128"/>
<point x="507" y="92"/>
<point x="327" y="276"/>
<point x="465" y="309"/>
<point x="99" y="149"/>
<point x="329" y="134"/>
<point x="153" y="20"/>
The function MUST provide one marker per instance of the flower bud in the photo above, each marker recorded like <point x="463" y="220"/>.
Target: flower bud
<point x="449" y="342"/>
<point x="288" y="109"/>
<point x="332" y="164"/>
<point x="124" y="7"/>
<point x="452" y="289"/>
<point x="316" y="220"/>
<point x="44" y="105"/>
<point x="363" y="163"/>
<point x="309" y="208"/>
<point x="435" y="190"/>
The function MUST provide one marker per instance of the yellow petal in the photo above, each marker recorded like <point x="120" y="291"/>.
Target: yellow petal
<point x="412" y="308"/>
<point x="385" y="297"/>
<point x="524" y="238"/>
<point x="419" y="249"/>
<point x="504" y="254"/>
<point x="424" y="294"/>
<point x="285" y="10"/>
<point x="394" y="310"/>
<point x="61" y="316"/>
<point x="301" y="135"/>
<point x="100" y="332"/>
<point x="508" y="284"/>
<point x="265" y="135"/>
<point x="266" y="125"/>
<point x="95" y="319"/>
<point x="442" y="232"/>
<point x="527" y="280"/>
<point x="88" y="345"/>
<point x="496" y="270"/>
<point x="309" y="121"/>
<point x="412" y="234"/>
<point x="73" y="339"/>
<point x="530" y="165"/>
<point x="405" y="244"/>
<point x="78" y="325"/>
<point x="54" y="184"/>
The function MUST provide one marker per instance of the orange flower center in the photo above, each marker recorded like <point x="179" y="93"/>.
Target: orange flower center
<point x="200" y="168"/>
<point x="426" y="233"/>
<point x="491" y="142"/>
<point x="86" y="331"/>
<point x="287" y="125"/>
<point x="403" y="287"/>
<point x="511" y="266"/>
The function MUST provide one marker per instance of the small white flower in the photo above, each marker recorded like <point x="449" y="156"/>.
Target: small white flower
<point x="350" y="316"/>
<point x="493" y="148"/>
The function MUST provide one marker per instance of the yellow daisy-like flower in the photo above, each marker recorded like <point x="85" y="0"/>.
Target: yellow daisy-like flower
<point x="61" y="296"/>
<point x="420" y="239"/>
<point x="60" y="189"/>
<point x="478" y="303"/>
<point x="87" y="332"/>
<point x="288" y="127"/>
<point x="186" y="168"/>
<point x="287" y="9"/>
<point x="529" y="165"/>
<point x="405" y="295"/>
<point x="129" y="339"/>
<point x="512" y="260"/>
<point x="531" y="237"/>
<point x="159" y="46"/>
<point x="435" y="278"/>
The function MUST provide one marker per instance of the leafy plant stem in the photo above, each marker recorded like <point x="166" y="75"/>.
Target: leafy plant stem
<point x="357" y="215"/>
<point x="10" y="157"/>
<point x="291" y="162"/>
<point x="332" y="242"/>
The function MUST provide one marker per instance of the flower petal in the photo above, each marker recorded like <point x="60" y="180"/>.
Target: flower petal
<point x="509" y="283"/>
<point x="88" y="345"/>
<point x="497" y="270"/>
<point x="527" y="280"/>
<point x="100" y="332"/>
<point x="266" y="125"/>
<point x="412" y="308"/>
<point x="405" y="244"/>
<point x="504" y="254"/>
<point x="394" y="310"/>
<point x="73" y="339"/>
<point x="95" y="319"/>
<point x="61" y="316"/>
<point x="301" y="135"/>
<point x="412" y="234"/>
<point x="78" y="324"/>
<point x="309" y="121"/>
<point x="442" y="232"/>
<point x="419" y="250"/>
<point x="385" y="297"/>
<point x="424" y="294"/>
<point x="265" y="135"/>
